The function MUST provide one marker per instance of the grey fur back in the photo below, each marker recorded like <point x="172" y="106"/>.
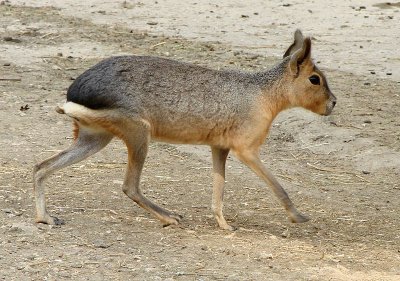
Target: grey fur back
<point x="127" y="80"/>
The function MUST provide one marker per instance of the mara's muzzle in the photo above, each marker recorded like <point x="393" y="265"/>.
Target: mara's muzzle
<point x="330" y="105"/>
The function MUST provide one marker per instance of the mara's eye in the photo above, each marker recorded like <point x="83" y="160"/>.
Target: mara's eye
<point x="314" y="80"/>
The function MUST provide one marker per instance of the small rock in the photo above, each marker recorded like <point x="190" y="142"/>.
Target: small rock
<point x="101" y="244"/>
<point x="366" y="172"/>
<point x="7" y="64"/>
<point x="31" y="257"/>
<point x="65" y="274"/>
<point x="149" y="269"/>
<point x="372" y="72"/>
<point x="21" y="266"/>
<point x="265" y="255"/>
<point x="253" y="57"/>
<point x="388" y="73"/>
<point x="10" y="39"/>
<point x="285" y="234"/>
<point x="24" y="108"/>
<point x="367" y="121"/>
<point x="76" y="265"/>
<point x="24" y="228"/>
<point x="152" y="23"/>
<point x="210" y="47"/>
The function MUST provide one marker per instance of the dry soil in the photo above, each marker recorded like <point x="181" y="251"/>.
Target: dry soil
<point x="342" y="170"/>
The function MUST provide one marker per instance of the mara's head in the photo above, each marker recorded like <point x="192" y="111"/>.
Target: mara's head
<point x="308" y="87"/>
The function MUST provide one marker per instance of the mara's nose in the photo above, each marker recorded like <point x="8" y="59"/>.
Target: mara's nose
<point x="333" y="103"/>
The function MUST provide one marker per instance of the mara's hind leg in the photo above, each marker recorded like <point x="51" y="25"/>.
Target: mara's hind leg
<point x="86" y="144"/>
<point x="137" y="141"/>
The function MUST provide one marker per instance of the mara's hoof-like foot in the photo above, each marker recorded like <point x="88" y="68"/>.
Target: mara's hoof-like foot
<point x="172" y="219"/>
<point x="299" y="218"/>
<point x="228" y="227"/>
<point x="223" y="224"/>
<point x="50" y="220"/>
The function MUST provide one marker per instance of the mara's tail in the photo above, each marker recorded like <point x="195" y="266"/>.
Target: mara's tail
<point x="85" y="115"/>
<point x="60" y="109"/>
<point x="105" y="120"/>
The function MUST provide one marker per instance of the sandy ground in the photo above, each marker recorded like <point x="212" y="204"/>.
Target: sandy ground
<point x="342" y="170"/>
<point x="354" y="36"/>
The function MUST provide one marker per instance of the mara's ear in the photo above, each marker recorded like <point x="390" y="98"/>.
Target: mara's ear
<point x="298" y="42"/>
<point x="301" y="56"/>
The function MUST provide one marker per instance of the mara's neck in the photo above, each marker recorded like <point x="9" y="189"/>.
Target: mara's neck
<point x="274" y="74"/>
<point x="274" y="89"/>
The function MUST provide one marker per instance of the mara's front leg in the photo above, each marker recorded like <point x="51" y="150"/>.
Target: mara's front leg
<point x="252" y="160"/>
<point x="219" y="156"/>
